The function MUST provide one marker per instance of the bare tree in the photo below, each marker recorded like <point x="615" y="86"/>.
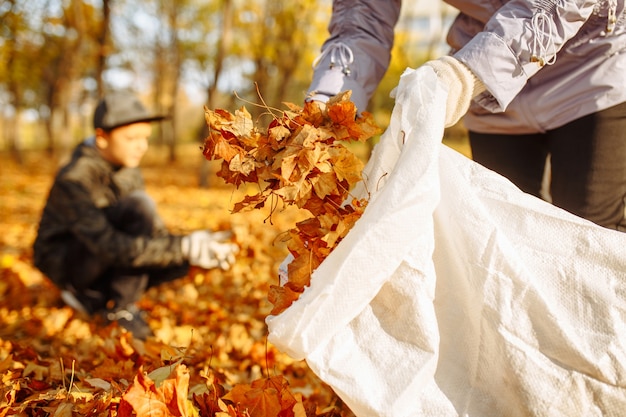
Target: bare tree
<point x="104" y="47"/>
<point x="69" y="54"/>
<point x="226" y="13"/>
<point x="13" y="28"/>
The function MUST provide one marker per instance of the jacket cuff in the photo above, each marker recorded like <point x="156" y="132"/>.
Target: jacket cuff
<point x="493" y="62"/>
<point x="333" y="81"/>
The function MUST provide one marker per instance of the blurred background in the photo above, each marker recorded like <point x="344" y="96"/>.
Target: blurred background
<point x="58" y="56"/>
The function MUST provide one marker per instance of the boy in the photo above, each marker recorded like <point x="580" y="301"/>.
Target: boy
<point x="100" y="239"/>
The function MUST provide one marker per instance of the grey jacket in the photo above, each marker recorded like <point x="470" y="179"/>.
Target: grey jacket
<point x="75" y="210"/>
<point x="544" y="63"/>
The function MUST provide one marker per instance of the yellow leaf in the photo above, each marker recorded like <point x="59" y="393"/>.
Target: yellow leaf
<point x="346" y="165"/>
<point x="242" y="164"/>
<point x="324" y="184"/>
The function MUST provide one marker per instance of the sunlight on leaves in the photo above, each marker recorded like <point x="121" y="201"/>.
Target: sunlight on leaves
<point x="300" y="160"/>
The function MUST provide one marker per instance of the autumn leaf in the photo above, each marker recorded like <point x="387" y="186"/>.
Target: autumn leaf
<point x="264" y="397"/>
<point x="250" y="202"/>
<point x="324" y="184"/>
<point x="221" y="148"/>
<point x="175" y="390"/>
<point x="281" y="297"/>
<point x="236" y="177"/>
<point x="257" y="402"/>
<point x="145" y="399"/>
<point x="341" y="110"/>
<point x="169" y="399"/>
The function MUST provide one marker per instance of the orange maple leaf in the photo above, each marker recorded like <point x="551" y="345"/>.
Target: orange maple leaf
<point x="170" y="399"/>
<point x="257" y="402"/>
<point x="220" y="148"/>
<point x="281" y="298"/>
<point x="264" y="397"/>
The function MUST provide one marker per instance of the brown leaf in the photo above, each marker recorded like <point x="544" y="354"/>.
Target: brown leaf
<point x="256" y="402"/>
<point x="250" y="203"/>
<point x="264" y="397"/>
<point x="300" y="270"/>
<point x="221" y="148"/>
<point x="281" y="298"/>
<point x="170" y="399"/>
<point x="243" y="164"/>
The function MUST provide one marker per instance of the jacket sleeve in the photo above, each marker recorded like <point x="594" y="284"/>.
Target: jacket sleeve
<point x="357" y="53"/>
<point x="517" y="41"/>
<point x="88" y="223"/>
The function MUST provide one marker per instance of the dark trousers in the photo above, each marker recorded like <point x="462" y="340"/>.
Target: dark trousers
<point x="100" y="286"/>
<point x="586" y="160"/>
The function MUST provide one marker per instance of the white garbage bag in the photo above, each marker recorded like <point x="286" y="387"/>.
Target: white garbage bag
<point x="456" y="294"/>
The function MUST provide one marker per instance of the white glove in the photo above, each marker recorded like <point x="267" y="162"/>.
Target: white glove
<point x="209" y="249"/>
<point x="462" y="85"/>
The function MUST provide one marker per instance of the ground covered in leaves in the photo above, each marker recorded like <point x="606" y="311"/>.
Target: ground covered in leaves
<point x="209" y="356"/>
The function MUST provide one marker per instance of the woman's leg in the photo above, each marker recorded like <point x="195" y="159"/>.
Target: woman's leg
<point x="588" y="159"/>
<point x="520" y="158"/>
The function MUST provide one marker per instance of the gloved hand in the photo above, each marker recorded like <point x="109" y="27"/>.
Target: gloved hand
<point x="462" y="85"/>
<point x="209" y="249"/>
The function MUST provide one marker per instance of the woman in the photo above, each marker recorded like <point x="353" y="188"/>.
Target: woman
<point x="541" y="79"/>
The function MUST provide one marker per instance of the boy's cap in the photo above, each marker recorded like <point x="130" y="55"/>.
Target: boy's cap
<point x="121" y="108"/>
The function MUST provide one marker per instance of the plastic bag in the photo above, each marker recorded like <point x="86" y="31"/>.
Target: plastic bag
<point x="456" y="294"/>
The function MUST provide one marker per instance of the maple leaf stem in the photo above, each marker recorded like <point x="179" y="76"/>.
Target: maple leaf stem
<point x="270" y="109"/>
<point x="68" y="389"/>
<point x="62" y="372"/>
<point x="72" y="378"/>
<point x="267" y="363"/>
<point x="263" y="105"/>
<point x="378" y="183"/>
<point x="349" y="194"/>
<point x="338" y="205"/>
<point x="310" y="263"/>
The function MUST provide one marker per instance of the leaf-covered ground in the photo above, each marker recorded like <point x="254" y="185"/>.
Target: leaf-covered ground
<point x="210" y="355"/>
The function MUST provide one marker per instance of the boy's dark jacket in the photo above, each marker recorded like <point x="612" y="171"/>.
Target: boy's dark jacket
<point x="75" y="210"/>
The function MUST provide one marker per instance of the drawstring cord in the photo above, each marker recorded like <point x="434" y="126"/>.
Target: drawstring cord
<point x="340" y="53"/>
<point x="543" y="41"/>
<point x="612" y="16"/>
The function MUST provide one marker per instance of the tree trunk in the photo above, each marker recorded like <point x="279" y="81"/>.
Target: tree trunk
<point x="175" y="52"/>
<point x="103" y="45"/>
<point x="222" y="48"/>
<point x="13" y="138"/>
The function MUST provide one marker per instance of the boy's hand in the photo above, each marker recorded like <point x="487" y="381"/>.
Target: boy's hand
<point x="209" y="249"/>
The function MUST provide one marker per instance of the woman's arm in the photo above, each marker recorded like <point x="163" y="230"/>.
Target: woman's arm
<point x="357" y="53"/>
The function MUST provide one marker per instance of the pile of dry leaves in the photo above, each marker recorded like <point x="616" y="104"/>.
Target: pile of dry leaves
<point x="299" y="159"/>
<point x="209" y="356"/>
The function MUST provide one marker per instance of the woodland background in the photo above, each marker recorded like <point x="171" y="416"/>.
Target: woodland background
<point x="210" y="351"/>
<point x="58" y="56"/>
